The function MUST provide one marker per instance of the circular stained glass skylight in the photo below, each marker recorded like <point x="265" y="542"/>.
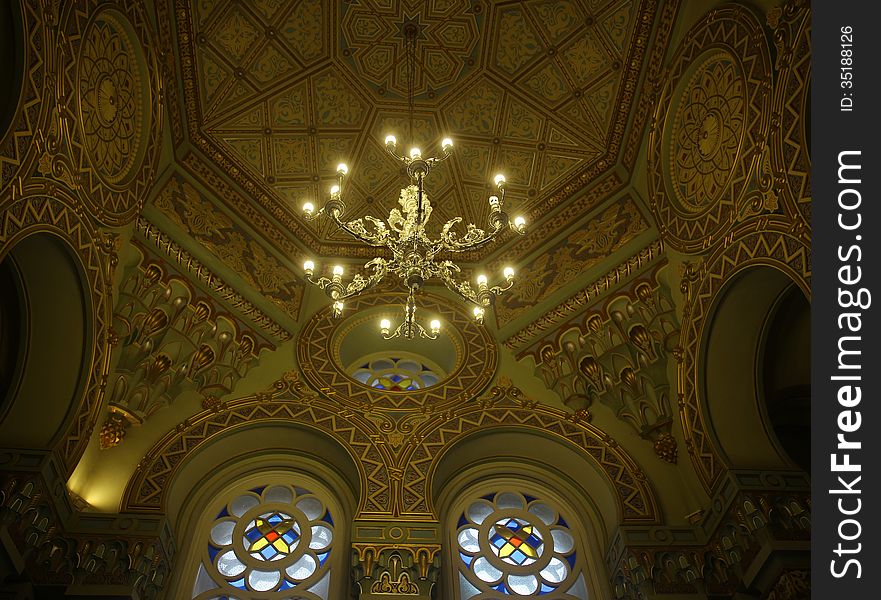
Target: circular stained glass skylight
<point x="396" y="374"/>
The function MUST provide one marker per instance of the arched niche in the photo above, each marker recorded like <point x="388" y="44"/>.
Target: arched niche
<point x="209" y="494"/>
<point x="253" y="448"/>
<point x="756" y="369"/>
<point x="250" y="455"/>
<point x="45" y="336"/>
<point x="514" y="452"/>
<point x="538" y="468"/>
<point x="785" y="374"/>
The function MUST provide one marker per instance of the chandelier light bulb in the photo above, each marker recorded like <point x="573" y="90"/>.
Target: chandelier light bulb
<point x="509" y="273"/>
<point x="499" y="180"/>
<point x="391" y="140"/>
<point x="435" y="326"/>
<point x="309" y="267"/>
<point x="308" y="208"/>
<point x="494" y="202"/>
<point x="334" y="190"/>
<point x="337" y="270"/>
<point x="478" y="312"/>
<point x="338" y="307"/>
<point x="519" y="223"/>
<point x="447" y="144"/>
<point x="481" y="280"/>
<point x="385" y="325"/>
<point x="415" y="153"/>
<point x="342" y="169"/>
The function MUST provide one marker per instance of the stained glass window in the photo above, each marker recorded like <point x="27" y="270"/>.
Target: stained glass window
<point x="514" y="544"/>
<point x="268" y="540"/>
<point x="396" y="374"/>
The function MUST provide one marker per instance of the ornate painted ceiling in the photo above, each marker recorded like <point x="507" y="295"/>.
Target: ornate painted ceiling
<point x="287" y="90"/>
<point x="274" y="95"/>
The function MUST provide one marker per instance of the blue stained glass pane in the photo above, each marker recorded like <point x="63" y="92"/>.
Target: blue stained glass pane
<point x="275" y="519"/>
<point x="501" y="588"/>
<point x="290" y="537"/>
<point x="412" y="387"/>
<point x="562" y="522"/>
<point x="498" y="541"/>
<point x="253" y="534"/>
<point x="512" y="525"/>
<point x="259" y="490"/>
<point x="396" y="378"/>
<point x="285" y="585"/>
<point x="529" y="498"/>
<point x="239" y="583"/>
<point x="322" y="558"/>
<point x="462" y="521"/>
<point x="223" y="513"/>
<point x="545" y="589"/>
<point x="488" y="497"/>
<point x="533" y="541"/>
<point x="394" y="359"/>
<point x="466" y="559"/>
<point x="327" y="518"/>
<point x="365" y="366"/>
<point x="571" y="560"/>
<point x="518" y="557"/>
<point x="212" y="552"/>
<point x="378" y="386"/>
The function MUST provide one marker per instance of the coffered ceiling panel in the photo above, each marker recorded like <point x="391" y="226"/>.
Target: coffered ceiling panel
<point x="286" y="90"/>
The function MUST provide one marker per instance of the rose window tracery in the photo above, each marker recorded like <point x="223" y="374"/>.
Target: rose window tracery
<point x="268" y="540"/>
<point x="514" y="544"/>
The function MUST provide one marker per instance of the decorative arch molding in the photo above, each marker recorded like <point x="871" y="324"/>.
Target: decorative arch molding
<point x="537" y="485"/>
<point x="506" y="408"/>
<point x="289" y="401"/>
<point x="44" y="207"/>
<point x="765" y="241"/>
<point x="311" y="476"/>
<point x="394" y="471"/>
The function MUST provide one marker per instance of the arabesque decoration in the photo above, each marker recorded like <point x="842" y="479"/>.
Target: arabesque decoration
<point x="394" y="484"/>
<point x="600" y="237"/>
<point x="790" y="127"/>
<point x="108" y="135"/>
<point x="709" y="130"/>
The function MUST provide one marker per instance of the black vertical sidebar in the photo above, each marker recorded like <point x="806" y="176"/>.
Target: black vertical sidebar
<point x="846" y="299"/>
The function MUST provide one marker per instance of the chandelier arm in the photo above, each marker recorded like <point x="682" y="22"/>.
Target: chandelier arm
<point x="360" y="283"/>
<point x="461" y="289"/>
<point x="357" y="230"/>
<point x="475" y="238"/>
<point x="498" y="290"/>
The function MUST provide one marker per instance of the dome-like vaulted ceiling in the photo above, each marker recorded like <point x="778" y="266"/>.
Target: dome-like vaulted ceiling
<point x="284" y="91"/>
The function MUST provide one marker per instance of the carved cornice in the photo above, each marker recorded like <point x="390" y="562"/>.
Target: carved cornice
<point x="190" y="265"/>
<point x="649" y="256"/>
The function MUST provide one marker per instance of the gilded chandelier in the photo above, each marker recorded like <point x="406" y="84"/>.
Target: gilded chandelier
<point x="413" y="251"/>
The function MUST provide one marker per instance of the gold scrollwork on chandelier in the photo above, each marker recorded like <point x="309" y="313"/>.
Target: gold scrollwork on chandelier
<point x="413" y="251"/>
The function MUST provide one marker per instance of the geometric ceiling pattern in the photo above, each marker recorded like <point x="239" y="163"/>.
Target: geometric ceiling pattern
<point x="287" y="90"/>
